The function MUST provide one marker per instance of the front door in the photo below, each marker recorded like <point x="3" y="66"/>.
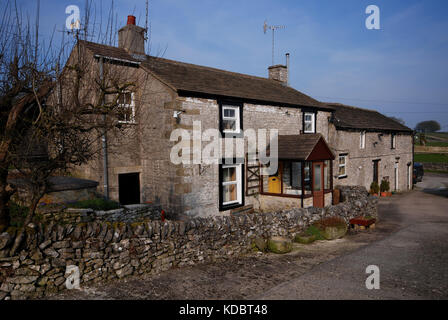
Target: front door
<point x="275" y="181"/>
<point x="318" y="184"/>
<point x="375" y="171"/>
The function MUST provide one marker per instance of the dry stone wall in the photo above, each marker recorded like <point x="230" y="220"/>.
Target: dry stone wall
<point x="102" y="251"/>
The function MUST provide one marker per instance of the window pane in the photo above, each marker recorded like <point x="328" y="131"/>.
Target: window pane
<point x="229" y="174"/>
<point x="308" y="117"/>
<point x="342" y="170"/>
<point x="317" y="177"/>
<point x="308" y="126"/>
<point x="229" y="193"/>
<point x="296" y="171"/>
<point x="229" y="113"/>
<point x="327" y="176"/>
<point x="341" y="159"/>
<point x="229" y="124"/>
<point x="307" y="178"/>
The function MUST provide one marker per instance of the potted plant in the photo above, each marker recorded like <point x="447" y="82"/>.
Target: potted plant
<point x="374" y="189"/>
<point x="384" y="188"/>
<point x="362" y="222"/>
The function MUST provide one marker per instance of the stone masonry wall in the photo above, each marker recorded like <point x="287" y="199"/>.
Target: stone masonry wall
<point x="105" y="251"/>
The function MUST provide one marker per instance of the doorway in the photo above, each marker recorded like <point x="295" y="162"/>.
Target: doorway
<point x="129" y="188"/>
<point x="318" y="184"/>
<point x="376" y="171"/>
<point x="396" y="176"/>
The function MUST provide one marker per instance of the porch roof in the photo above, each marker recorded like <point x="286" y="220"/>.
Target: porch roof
<point x="306" y="147"/>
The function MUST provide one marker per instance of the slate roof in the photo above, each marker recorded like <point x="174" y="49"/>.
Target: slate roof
<point x="299" y="147"/>
<point x="188" y="78"/>
<point x="349" y="117"/>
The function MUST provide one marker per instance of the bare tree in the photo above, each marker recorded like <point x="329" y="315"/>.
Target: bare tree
<point x="65" y="112"/>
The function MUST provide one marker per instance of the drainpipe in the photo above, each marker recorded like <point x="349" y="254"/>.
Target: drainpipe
<point x="104" y="142"/>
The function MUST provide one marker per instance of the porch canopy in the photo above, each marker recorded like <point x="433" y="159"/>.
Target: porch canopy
<point x="304" y="169"/>
<point x="304" y="147"/>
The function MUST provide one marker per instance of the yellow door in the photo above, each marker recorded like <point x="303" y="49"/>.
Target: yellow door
<point x="275" y="182"/>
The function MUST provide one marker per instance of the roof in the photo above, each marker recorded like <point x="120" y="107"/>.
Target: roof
<point x="188" y="78"/>
<point x="58" y="183"/>
<point x="303" y="147"/>
<point x="349" y="117"/>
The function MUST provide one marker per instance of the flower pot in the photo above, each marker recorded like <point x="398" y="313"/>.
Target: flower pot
<point x="384" y="194"/>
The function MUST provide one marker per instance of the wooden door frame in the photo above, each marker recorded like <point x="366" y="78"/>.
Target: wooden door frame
<point x="321" y="193"/>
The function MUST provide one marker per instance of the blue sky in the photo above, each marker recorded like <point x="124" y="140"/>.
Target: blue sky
<point x="400" y="70"/>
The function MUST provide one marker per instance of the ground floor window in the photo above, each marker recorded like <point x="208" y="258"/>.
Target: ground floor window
<point x="231" y="192"/>
<point x="294" y="179"/>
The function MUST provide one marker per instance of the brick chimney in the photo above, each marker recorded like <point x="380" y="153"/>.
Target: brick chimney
<point x="132" y="37"/>
<point x="279" y="72"/>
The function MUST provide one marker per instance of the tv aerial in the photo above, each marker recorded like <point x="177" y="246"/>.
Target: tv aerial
<point x="273" y="28"/>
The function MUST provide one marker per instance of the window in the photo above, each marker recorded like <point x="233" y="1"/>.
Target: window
<point x="362" y="140"/>
<point x="231" y="122"/>
<point x="342" y="165"/>
<point x="126" y="107"/>
<point x="309" y="122"/>
<point x="393" y="141"/>
<point x="231" y="185"/>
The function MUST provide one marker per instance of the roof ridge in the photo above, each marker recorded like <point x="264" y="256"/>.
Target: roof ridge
<point x="337" y="104"/>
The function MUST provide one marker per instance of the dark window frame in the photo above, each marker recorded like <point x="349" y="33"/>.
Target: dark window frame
<point x="235" y="161"/>
<point x="232" y="103"/>
<point x="304" y="111"/>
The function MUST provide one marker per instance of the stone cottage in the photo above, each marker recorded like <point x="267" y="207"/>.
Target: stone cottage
<point x="315" y="139"/>
<point x="370" y="147"/>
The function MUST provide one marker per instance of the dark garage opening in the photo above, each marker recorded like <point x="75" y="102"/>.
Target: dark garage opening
<point x="129" y="188"/>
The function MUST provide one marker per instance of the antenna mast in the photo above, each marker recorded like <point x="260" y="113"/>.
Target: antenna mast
<point x="273" y="28"/>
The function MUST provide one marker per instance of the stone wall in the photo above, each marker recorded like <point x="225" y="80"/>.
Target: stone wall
<point x="436" y="166"/>
<point x="105" y="251"/>
<point x="128" y="213"/>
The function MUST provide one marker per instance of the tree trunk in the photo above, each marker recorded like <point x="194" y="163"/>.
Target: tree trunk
<point x="28" y="220"/>
<point x="5" y="195"/>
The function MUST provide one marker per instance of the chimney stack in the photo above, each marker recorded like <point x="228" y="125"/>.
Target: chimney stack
<point x="279" y="73"/>
<point x="132" y="37"/>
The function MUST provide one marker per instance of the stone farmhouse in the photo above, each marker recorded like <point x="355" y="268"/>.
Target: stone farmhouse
<point x="320" y="145"/>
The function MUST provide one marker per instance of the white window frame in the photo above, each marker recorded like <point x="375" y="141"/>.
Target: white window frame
<point x="345" y="156"/>
<point x="236" y="118"/>
<point x="313" y="120"/>
<point x="238" y="183"/>
<point x="132" y="106"/>
<point x="362" y="140"/>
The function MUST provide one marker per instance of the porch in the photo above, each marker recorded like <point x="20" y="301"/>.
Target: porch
<point x="304" y="175"/>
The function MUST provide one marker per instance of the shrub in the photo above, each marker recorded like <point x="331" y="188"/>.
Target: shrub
<point x="384" y="187"/>
<point x="374" y="188"/>
<point x="96" y="204"/>
<point x="17" y="214"/>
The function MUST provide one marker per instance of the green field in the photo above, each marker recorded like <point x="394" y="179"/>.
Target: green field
<point x="431" y="157"/>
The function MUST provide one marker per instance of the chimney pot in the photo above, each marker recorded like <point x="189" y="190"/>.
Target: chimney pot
<point x="131" y="20"/>
<point x="132" y="37"/>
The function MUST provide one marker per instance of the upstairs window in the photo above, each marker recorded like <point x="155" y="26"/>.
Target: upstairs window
<point x="342" y="173"/>
<point x="230" y="119"/>
<point x="309" y="121"/>
<point x="393" y="141"/>
<point x="362" y="140"/>
<point x="126" y="107"/>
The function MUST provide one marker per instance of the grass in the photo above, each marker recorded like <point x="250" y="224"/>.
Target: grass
<point x="431" y="157"/>
<point x="96" y="204"/>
